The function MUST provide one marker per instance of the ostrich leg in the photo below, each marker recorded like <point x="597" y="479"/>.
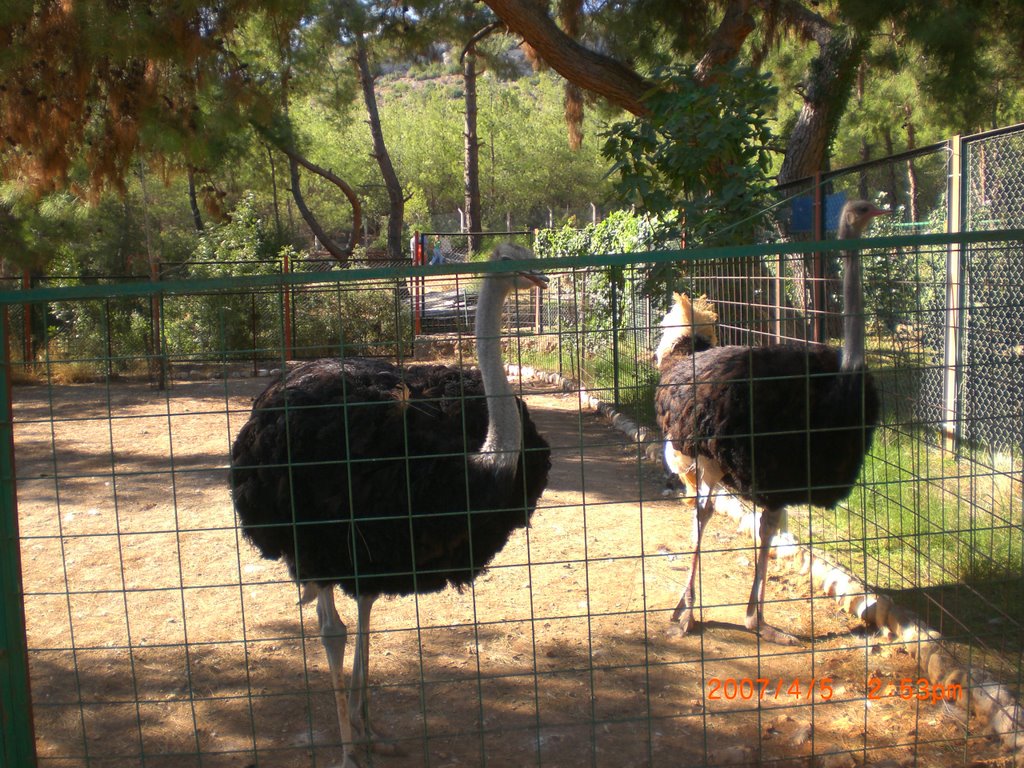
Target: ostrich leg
<point x="755" y="606"/>
<point x="359" y="700"/>
<point x="359" y="697"/>
<point x="333" y="635"/>
<point x="702" y="512"/>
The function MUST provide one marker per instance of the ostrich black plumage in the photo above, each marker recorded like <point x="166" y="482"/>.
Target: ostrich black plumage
<point x="779" y="425"/>
<point x="389" y="481"/>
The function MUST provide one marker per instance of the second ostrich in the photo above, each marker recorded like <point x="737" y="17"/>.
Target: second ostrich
<point x="389" y="481"/>
<point x="778" y="425"/>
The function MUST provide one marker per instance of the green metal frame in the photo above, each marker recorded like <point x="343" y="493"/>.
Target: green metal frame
<point x="17" y="736"/>
<point x="213" y="285"/>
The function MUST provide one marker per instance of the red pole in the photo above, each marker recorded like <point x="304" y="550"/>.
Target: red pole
<point x="417" y="288"/>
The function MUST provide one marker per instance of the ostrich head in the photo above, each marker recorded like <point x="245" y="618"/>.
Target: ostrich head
<point x="516" y="280"/>
<point x="687" y="319"/>
<point x="855" y="217"/>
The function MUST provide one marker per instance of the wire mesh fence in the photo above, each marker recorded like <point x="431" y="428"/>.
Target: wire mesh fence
<point x="156" y="635"/>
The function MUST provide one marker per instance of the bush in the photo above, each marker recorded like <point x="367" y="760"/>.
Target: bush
<point x="202" y="325"/>
<point x="605" y="291"/>
<point x="350" y="320"/>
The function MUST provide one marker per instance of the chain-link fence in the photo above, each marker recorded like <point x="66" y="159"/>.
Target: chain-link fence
<point x="992" y="341"/>
<point x="461" y="247"/>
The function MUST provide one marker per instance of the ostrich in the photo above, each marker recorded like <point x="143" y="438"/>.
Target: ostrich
<point x="389" y="481"/>
<point x="778" y="425"/>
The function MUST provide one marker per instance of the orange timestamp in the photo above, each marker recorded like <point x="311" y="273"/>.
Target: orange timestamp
<point x="762" y="688"/>
<point x="914" y="689"/>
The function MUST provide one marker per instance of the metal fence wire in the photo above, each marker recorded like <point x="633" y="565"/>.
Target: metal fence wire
<point x="155" y="635"/>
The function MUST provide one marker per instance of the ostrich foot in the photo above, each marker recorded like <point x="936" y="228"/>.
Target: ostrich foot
<point x="683" y="622"/>
<point x="769" y="633"/>
<point x="373" y="740"/>
<point x="348" y="762"/>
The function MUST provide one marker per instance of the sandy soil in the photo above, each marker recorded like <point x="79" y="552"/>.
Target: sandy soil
<point x="158" y="638"/>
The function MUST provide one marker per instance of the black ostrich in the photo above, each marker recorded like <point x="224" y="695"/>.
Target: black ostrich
<point x="389" y="481"/>
<point x="778" y="425"/>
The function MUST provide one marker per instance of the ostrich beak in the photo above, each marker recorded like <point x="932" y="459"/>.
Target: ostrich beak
<point x="876" y="211"/>
<point x="534" y="278"/>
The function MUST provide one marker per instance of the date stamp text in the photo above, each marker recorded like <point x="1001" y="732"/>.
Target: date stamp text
<point x="767" y="688"/>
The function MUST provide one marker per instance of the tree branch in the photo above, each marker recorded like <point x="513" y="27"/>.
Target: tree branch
<point x="479" y="35"/>
<point x="586" y="68"/>
<point x="808" y="24"/>
<point x="295" y="160"/>
<point x="725" y="44"/>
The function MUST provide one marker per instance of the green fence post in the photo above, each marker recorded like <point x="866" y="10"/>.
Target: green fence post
<point x="17" y="736"/>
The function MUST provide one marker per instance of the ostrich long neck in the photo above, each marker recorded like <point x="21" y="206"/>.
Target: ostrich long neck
<point x="853" y="310"/>
<point x="504" y="430"/>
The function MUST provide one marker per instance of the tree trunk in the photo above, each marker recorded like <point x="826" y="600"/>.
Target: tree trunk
<point x="825" y="98"/>
<point x="894" y="187"/>
<point x="471" y="167"/>
<point x="296" y="160"/>
<point x="273" y="189"/>
<point x="862" y="178"/>
<point x="197" y="217"/>
<point x="396" y="198"/>
<point x="911" y="169"/>
<point x="827" y="93"/>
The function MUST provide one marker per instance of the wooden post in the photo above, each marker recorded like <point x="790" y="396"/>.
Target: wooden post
<point x="289" y="326"/>
<point x="558" y="309"/>
<point x="818" y="319"/>
<point x="615" y="341"/>
<point x="28" y="353"/>
<point x="110" y="336"/>
<point x="779" y="287"/>
<point x="951" y="354"/>
<point x="255" y="334"/>
<point x="157" y="369"/>
<point x="538" y="319"/>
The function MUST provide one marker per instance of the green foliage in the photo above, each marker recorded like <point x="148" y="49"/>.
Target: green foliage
<point x="97" y="338"/>
<point x="242" y="245"/>
<point x="606" y="292"/>
<point x="417" y="212"/>
<point x="348" y="320"/>
<point x="619" y="232"/>
<point x="526" y="165"/>
<point x="899" y="285"/>
<point x="30" y="231"/>
<point x="704" y="151"/>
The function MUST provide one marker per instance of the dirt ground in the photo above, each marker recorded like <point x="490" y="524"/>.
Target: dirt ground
<point x="158" y="637"/>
